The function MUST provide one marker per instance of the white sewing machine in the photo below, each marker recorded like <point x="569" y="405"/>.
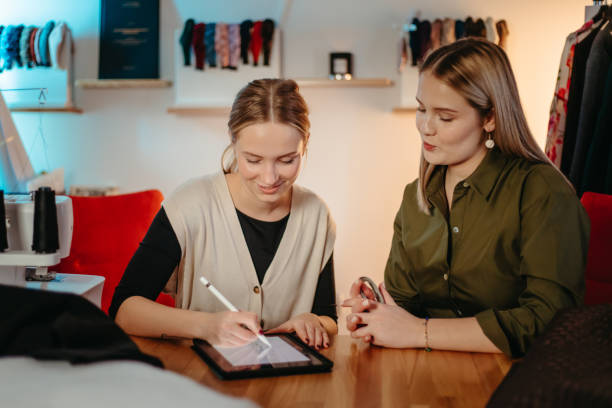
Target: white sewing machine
<point x="20" y="266"/>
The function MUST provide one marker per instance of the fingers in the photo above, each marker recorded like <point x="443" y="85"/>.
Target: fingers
<point x="351" y="301"/>
<point x="244" y="334"/>
<point x="318" y="338"/>
<point x="362" y="333"/>
<point x="310" y="331"/>
<point x="301" y="332"/>
<point x="325" y="339"/>
<point x="386" y="295"/>
<point x="355" y="289"/>
<point x="364" y="306"/>
<point x="248" y="319"/>
<point x="351" y="322"/>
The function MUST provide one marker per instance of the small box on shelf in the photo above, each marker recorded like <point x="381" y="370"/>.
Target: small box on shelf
<point x="93" y="191"/>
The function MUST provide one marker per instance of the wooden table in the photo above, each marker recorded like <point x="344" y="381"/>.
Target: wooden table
<point x="363" y="376"/>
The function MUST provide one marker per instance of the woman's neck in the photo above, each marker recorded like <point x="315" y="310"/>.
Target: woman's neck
<point x="460" y="171"/>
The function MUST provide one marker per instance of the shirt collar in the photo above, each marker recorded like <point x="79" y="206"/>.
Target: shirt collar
<point x="487" y="173"/>
<point x="483" y="179"/>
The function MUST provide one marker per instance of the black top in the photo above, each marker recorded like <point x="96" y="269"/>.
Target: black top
<point x="160" y="252"/>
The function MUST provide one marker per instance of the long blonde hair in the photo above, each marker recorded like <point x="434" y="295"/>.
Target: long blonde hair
<point x="480" y="71"/>
<point x="261" y="101"/>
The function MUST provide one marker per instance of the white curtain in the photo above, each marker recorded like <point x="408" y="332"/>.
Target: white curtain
<point x="15" y="166"/>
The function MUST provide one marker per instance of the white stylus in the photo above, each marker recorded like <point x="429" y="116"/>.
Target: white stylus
<point x="229" y="305"/>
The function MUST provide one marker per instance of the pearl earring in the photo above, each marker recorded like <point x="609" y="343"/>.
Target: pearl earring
<point x="489" y="144"/>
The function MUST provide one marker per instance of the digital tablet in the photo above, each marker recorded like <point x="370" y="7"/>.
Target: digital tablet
<point x="288" y="355"/>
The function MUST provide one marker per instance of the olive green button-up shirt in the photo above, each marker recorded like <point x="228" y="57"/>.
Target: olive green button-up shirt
<point x="511" y="252"/>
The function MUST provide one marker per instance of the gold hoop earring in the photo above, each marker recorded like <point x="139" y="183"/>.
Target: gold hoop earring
<point x="490" y="143"/>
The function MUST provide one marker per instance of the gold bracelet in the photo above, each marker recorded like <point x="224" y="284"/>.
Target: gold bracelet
<point x="427" y="348"/>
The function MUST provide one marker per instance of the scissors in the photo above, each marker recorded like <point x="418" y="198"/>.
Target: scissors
<point x="369" y="282"/>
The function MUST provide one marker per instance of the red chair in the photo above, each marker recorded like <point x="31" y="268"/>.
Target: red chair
<point x="599" y="260"/>
<point x="107" y="232"/>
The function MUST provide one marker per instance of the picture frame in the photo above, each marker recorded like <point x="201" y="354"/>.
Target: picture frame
<point x="340" y="65"/>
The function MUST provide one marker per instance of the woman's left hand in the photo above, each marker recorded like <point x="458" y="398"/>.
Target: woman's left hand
<point x="385" y="324"/>
<point x="308" y="327"/>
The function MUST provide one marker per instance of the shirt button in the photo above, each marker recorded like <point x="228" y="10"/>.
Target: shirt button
<point x="455" y="230"/>
<point x="459" y="313"/>
<point x="446" y="276"/>
<point x="466" y="184"/>
<point x="256" y="289"/>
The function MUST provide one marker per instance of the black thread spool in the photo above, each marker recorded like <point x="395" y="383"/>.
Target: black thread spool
<point x="46" y="237"/>
<point x="3" y="237"/>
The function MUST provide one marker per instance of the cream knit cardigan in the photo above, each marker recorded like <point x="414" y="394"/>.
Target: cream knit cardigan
<point x="204" y="219"/>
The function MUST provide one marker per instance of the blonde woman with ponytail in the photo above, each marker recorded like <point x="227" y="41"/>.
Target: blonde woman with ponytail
<point x="264" y="242"/>
<point x="490" y="241"/>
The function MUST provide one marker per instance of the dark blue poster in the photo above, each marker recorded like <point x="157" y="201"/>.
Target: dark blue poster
<point x="129" y="39"/>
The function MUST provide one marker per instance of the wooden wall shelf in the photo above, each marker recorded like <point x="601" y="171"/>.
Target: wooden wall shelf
<point x="344" y="83"/>
<point x="401" y="109"/>
<point x="122" y="83"/>
<point x="199" y="110"/>
<point x="57" y="109"/>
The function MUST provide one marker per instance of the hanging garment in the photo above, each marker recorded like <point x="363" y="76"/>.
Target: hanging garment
<point x="480" y="30"/>
<point x="185" y="40"/>
<point x="37" y="47"/>
<point x="581" y="53"/>
<point x="424" y="39"/>
<point x="558" y="108"/>
<point x="470" y="27"/>
<point x="491" y="32"/>
<point x="502" y="32"/>
<point x="448" y="32"/>
<point x="233" y="31"/>
<point x="267" y="34"/>
<point x="24" y="46"/>
<point x="209" y="43"/>
<point x="43" y="44"/>
<point x="597" y="65"/>
<point x="459" y="29"/>
<point x="436" y="33"/>
<point x="222" y="44"/>
<point x="256" y="42"/>
<point x="597" y="176"/>
<point x="245" y="40"/>
<point x="9" y="46"/>
<point x="199" y="48"/>
<point x="415" y="41"/>
<point x="60" y="45"/>
<point x="33" y="47"/>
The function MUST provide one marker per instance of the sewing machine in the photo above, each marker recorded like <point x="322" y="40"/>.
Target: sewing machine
<point x="20" y="266"/>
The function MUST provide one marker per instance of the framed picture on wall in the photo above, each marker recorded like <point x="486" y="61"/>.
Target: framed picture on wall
<point x="129" y="39"/>
<point x="340" y="65"/>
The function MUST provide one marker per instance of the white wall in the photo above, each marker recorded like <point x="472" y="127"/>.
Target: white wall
<point x="360" y="156"/>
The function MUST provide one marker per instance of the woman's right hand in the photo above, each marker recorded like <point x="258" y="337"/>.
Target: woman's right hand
<point x="231" y="329"/>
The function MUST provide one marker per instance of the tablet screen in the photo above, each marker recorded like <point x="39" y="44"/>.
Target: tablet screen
<point x="287" y="355"/>
<point x="258" y="353"/>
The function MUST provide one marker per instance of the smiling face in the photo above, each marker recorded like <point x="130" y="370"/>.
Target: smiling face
<point x="450" y="128"/>
<point x="268" y="157"/>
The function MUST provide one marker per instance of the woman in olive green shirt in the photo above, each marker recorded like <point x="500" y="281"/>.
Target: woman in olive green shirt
<point x="490" y="241"/>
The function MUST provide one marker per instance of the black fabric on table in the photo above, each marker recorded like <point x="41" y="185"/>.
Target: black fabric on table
<point x="159" y="253"/>
<point x="60" y="326"/>
<point x="568" y="366"/>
